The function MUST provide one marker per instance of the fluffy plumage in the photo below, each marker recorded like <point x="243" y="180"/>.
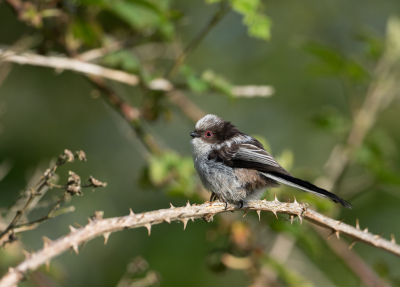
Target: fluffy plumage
<point x="236" y="167"/>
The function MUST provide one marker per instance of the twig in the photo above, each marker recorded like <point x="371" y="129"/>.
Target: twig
<point x="366" y="274"/>
<point x="159" y="84"/>
<point x="67" y="156"/>
<point x="224" y="8"/>
<point x="380" y="94"/>
<point x="61" y="63"/>
<point x="98" y="226"/>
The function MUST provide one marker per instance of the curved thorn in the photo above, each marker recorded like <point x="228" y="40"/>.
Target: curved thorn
<point x="106" y="235"/>
<point x="340" y="221"/>
<point x="73" y="229"/>
<point x="276" y="199"/>
<point x="245" y="213"/>
<point x="26" y="253"/>
<point x="352" y="244"/>
<point x="295" y="201"/>
<point x="188" y="204"/>
<point x="171" y="205"/>
<point x="185" y="221"/>
<point x="167" y="220"/>
<point x="148" y="226"/>
<point x="274" y="212"/>
<point x="75" y="247"/>
<point x="131" y="212"/>
<point x="357" y="224"/>
<point x="337" y="234"/>
<point x="365" y="230"/>
<point x="329" y="236"/>
<point x="259" y="215"/>
<point x="393" y="240"/>
<point x="291" y="219"/>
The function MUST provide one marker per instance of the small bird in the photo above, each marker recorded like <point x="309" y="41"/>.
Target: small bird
<point x="235" y="167"/>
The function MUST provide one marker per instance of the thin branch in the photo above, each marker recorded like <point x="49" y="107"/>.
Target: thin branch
<point x="366" y="274"/>
<point x="61" y="63"/>
<point x="380" y="95"/>
<point x="98" y="226"/>
<point x="224" y="8"/>
<point x="159" y="84"/>
<point x="67" y="156"/>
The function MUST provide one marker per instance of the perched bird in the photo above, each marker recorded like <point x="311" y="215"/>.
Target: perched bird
<point x="235" y="167"/>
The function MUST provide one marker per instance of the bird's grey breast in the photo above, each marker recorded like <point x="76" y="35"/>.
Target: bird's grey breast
<point x="215" y="175"/>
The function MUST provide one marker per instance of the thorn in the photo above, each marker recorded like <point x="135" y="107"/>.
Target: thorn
<point x="167" y="220"/>
<point x="106" y="235"/>
<point x="131" y="213"/>
<point x="192" y="218"/>
<point x="291" y="219"/>
<point x="148" y="226"/>
<point x="295" y="201"/>
<point x="26" y="253"/>
<point x="393" y="240"/>
<point x="352" y="244"/>
<point x="171" y="205"/>
<point x="244" y="213"/>
<point x="378" y="235"/>
<point x="185" y="221"/>
<point x="46" y="241"/>
<point x="78" y="225"/>
<point x="329" y="236"/>
<point x="75" y="247"/>
<point x="73" y="229"/>
<point x="301" y="218"/>
<point x="259" y="215"/>
<point x="98" y="215"/>
<point x="337" y="234"/>
<point x="48" y="265"/>
<point x="265" y="199"/>
<point x="274" y="212"/>
<point x="276" y="199"/>
<point x="365" y="230"/>
<point x="89" y="220"/>
<point x="83" y="245"/>
<point x="287" y="203"/>
<point x="188" y="204"/>
<point x="357" y="224"/>
<point x="340" y="221"/>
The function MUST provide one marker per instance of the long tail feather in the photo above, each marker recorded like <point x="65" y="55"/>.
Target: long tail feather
<point x="306" y="186"/>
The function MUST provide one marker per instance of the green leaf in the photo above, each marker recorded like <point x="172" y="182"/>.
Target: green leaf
<point x="195" y="83"/>
<point x="218" y="83"/>
<point x="258" y="24"/>
<point x="123" y="59"/>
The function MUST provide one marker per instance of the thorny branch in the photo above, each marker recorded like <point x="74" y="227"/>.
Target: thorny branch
<point x="98" y="226"/>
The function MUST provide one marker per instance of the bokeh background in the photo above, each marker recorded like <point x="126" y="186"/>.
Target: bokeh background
<point x="320" y="57"/>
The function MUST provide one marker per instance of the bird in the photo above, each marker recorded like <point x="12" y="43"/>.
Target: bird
<point x="236" y="168"/>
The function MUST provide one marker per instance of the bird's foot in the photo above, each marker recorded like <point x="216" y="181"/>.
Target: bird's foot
<point x="213" y="197"/>
<point x="240" y="204"/>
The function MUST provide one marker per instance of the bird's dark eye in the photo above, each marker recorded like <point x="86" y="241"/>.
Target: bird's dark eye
<point x="208" y="134"/>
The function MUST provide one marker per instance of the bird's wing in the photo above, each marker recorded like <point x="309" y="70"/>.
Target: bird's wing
<point x="252" y="156"/>
<point x="248" y="155"/>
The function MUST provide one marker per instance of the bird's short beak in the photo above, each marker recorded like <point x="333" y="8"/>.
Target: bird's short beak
<point x="194" y="135"/>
